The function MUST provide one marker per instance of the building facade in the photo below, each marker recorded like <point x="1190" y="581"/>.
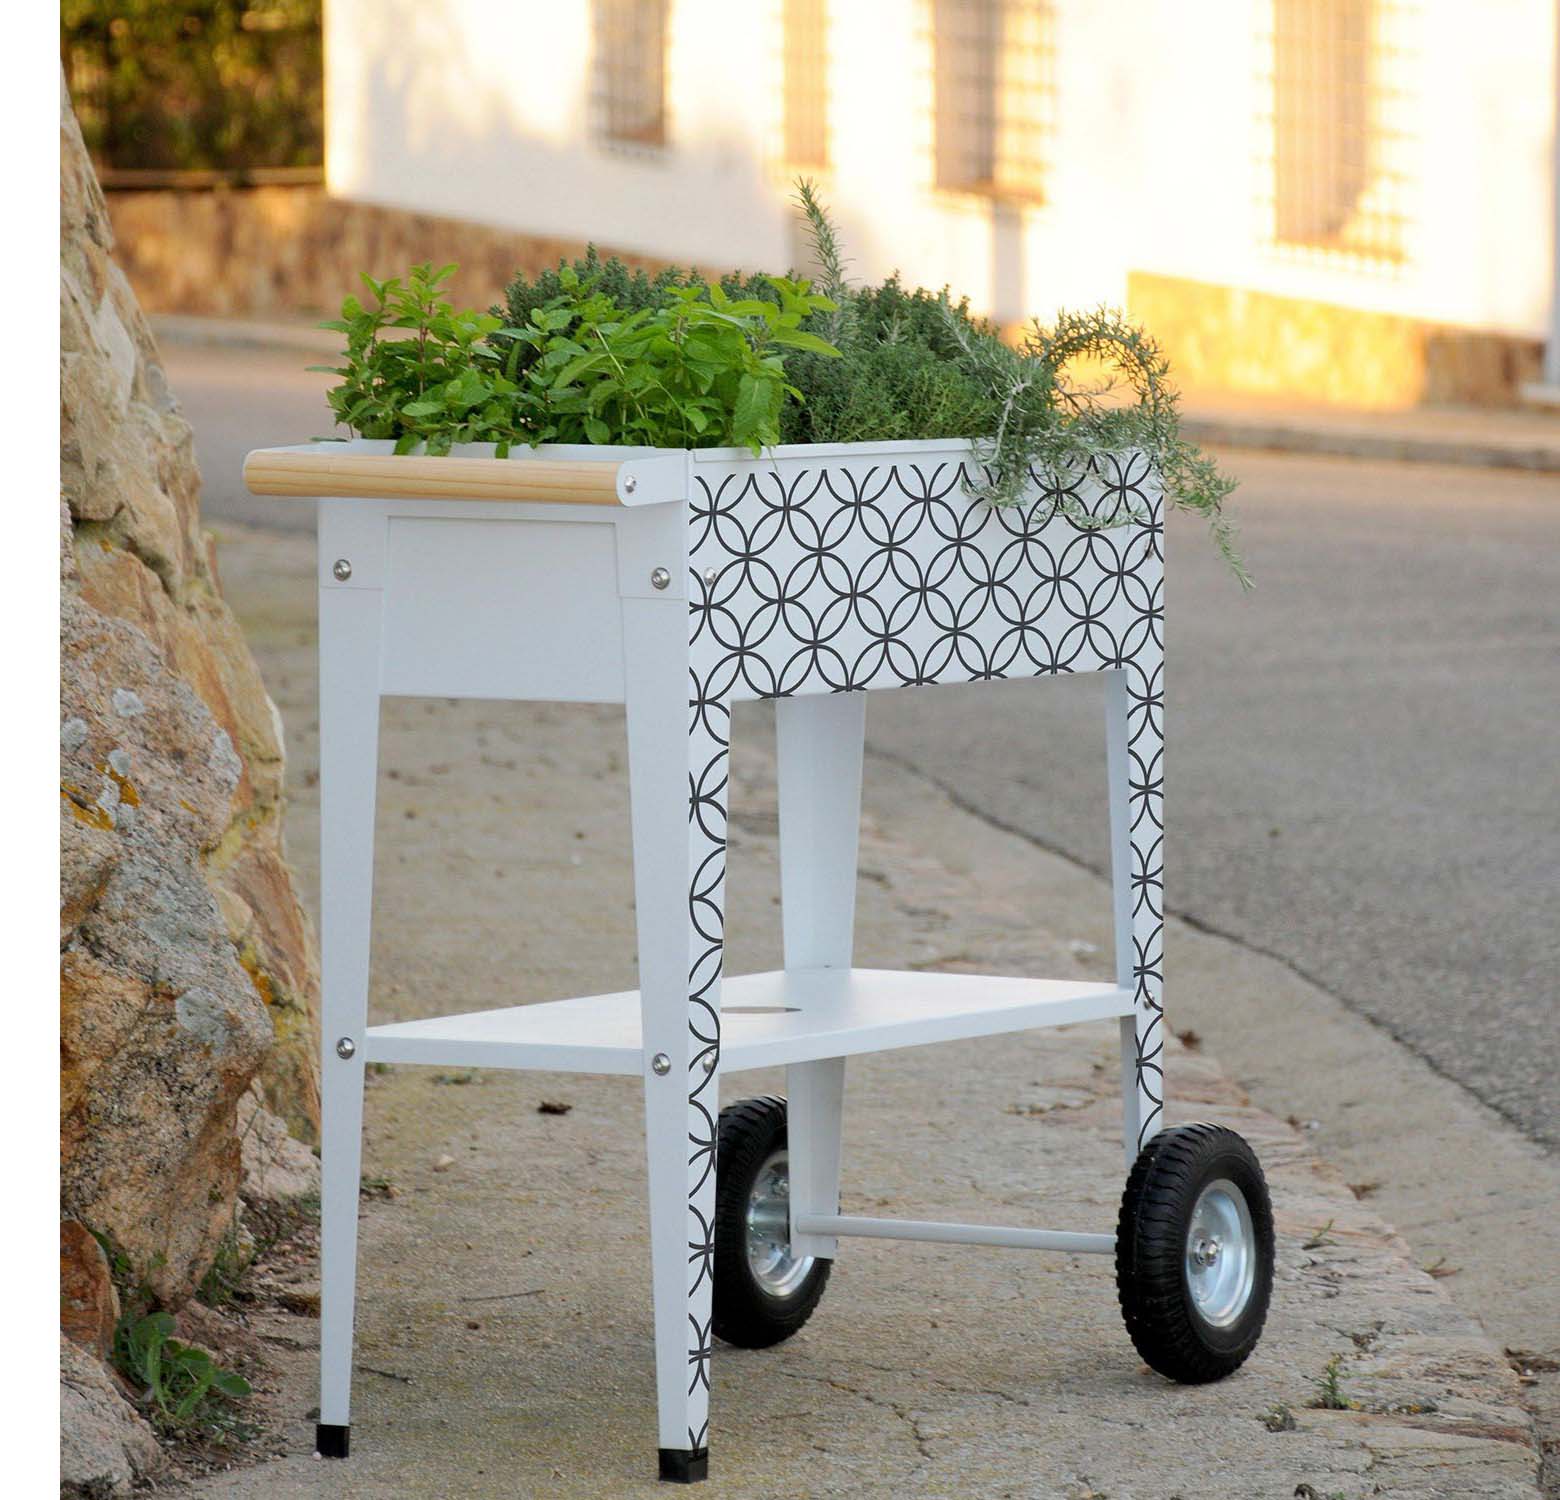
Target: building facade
<point x="1345" y="200"/>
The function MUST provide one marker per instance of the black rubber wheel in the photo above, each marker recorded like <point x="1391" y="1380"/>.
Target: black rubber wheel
<point x="762" y="1294"/>
<point x="1194" y="1253"/>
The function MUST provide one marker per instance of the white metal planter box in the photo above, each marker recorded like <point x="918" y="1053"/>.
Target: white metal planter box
<point x="679" y="583"/>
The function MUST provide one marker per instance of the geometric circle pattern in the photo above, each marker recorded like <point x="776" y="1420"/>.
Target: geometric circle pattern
<point x="852" y="571"/>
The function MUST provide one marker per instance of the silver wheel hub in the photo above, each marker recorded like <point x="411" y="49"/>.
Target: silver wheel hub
<point x="1221" y="1254"/>
<point x="776" y="1268"/>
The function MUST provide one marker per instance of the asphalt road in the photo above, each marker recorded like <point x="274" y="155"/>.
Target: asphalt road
<point x="1362" y="767"/>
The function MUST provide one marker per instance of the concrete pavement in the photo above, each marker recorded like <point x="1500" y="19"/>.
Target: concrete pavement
<point x="504" y="1319"/>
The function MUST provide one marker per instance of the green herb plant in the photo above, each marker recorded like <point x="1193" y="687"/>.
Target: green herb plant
<point x="593" y="352"/>
<point x="1022" y="406"/>
<point x="698" y="369"/>
<point x="418" y="370"/>
<point x="184" y="1388"/>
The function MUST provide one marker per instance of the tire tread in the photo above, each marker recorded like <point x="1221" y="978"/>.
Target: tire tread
<point x="742" y="1312"/>
<point x="1150" y="1246"/>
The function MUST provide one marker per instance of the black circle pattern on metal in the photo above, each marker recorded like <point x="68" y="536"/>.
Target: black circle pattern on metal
<point x="850" y="573"/>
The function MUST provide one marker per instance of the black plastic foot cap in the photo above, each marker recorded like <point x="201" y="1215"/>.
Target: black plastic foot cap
<point x="331" y="1441"/>
<point x="685" y="1465"/>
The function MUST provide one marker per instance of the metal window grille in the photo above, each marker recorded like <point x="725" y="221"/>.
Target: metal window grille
<point x="629" y="37"/>
<point x="1337" y="95"/>
<point x="994" y="95"/>
<point x="805" y="59"/>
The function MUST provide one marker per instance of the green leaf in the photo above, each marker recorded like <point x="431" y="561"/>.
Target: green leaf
<point x="797" y="338"/>
<point x="577" y="367"/>
<point x="597" y="430"/>
<point x="749" y="410"/>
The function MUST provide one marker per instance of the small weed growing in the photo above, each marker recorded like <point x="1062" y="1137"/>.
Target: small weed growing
<point x="1329" y="1389"/>
<point x="1322" y="1237"/>
<point x="1279" y="1418"/>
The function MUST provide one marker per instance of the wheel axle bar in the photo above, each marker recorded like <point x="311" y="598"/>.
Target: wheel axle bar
<point x="956" y="1234"/>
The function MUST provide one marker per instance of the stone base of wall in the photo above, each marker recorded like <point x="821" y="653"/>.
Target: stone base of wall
<point x="1224" y="340"/>
<point x="290" y="252"/>
<point x="284" y="252"/>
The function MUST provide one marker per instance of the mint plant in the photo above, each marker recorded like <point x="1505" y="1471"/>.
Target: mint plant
<point x="438" y="383"/>
<point x="701" y="369"/>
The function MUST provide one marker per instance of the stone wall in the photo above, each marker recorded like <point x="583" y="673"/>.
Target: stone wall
<point x="1223" y="339"/>
<point x="291" y="252"/>
<point x="188" y="979"/>
<point x="282" y="252"/>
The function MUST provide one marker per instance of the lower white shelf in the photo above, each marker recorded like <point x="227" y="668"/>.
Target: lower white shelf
<point x="767" y="1020"/>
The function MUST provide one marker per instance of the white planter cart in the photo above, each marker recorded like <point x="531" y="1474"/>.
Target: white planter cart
<point x="679" y="583"/>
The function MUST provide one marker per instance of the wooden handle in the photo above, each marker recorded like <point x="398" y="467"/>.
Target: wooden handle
<point x="381" y="476"/>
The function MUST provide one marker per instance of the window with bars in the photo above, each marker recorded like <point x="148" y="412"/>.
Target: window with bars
<point x="994" y="95"/>
<point x="1336" y="94"/>
<point x="629" y="39"/>
<point x="805" y="58"/>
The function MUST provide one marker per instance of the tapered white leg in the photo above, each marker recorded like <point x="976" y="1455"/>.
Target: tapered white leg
<point x="677" y="755"/>
<point x="349" y="739"/>
<point x="1135" y="773"/>
<point x="819" y="742"/>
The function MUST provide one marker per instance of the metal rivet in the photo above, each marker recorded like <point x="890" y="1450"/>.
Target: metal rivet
<point x="341" y="570"/>
<point x="660" y="1065"/>
<point x="710" y="575"/>
<point x="346" y="1047"/>
<point x="659" y="578"/>
<point x="709" y="1062"/>
<point x="630" y="484"/>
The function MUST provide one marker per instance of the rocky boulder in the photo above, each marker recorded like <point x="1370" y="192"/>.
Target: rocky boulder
<point x="105" y="1447"/>
<point x="188" y="979"/>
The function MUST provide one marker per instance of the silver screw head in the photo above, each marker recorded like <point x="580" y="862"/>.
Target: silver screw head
<point x="710" y="575"/>
<point x="660" y="1065"/>
<point x="341" y="570"/>
<point x="659" y="578"/>
<point x="346" y="1048"/>
<point x="630" y="484"/>
<point x="709" y="1062"/>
